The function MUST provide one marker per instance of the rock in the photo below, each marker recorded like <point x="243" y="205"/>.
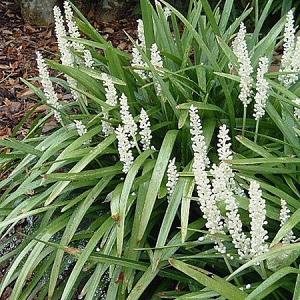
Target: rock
<point x="38" y="12"/>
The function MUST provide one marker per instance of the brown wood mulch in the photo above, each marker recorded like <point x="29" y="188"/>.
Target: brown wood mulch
<point x="18" y="44"/>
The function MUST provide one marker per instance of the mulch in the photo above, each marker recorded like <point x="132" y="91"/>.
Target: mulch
<point x="18" y="44"/>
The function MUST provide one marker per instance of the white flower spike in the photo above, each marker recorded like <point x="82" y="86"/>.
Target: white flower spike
<point x="124" y="148"/>
<point x="207" y="200"/>
<point x="72" y="27"/>
<point x="262" y="89"/>
<point x="145" y="130"/>
<point x="288" y="50"/>
<point x="245" y="68"/>
<point x="257" y="211"/>
<point x="81" y="129"/>
<point x="130" y="127"/>
<point x="111" y="96"/>
<point x="61" y="34"/>
<point x="52" y="99"/>
<point x="296" y="109"/>
<point x="224" y="144"/>
<point x="88" y="59"/>
<point x="284" y="217"/>
<point x="173" y="177"/>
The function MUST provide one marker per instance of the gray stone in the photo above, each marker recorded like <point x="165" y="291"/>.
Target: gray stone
<point x="38" y="12"/>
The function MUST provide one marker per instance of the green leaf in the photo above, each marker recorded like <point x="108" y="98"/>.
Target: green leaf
<point x="156" y="179"/>
<point x="210" y="280"/>
<point x="130" y="177"/>
<point x="265" y="287"/>
<point x="287" y="227"/>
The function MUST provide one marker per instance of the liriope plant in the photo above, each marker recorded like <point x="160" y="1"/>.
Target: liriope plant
<point x="172" y="172"/>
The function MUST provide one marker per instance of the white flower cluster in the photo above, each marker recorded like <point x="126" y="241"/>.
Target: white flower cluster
<point x="88" y="59"/>
<point x="111" y="96"/>
<point x="224" y="189"/>
<point x="245" y="68"/>
<point x="198" y="141"/>
<point x="156" y="59"/>
<point x="52" y="99"/>
<point x="173" y="176"/>
<point x="61" y="35"/>
<point x="137" y="59"/>
<point x="157" y="63"/>
<point x="297" y="110"/>
<point x="64" y="48"/>
<point x="67" y="58"/>
<point x="72" y="27"/>
<point x="145" y="130"/>
<point x="80" y="127"/>
<point x="207" y="200"/>
<point x="257" y="211"/>
<point x="167" y="12"/>
<point x="127" y="133"/>
<point x="290" y="57"/>
<point x="130" y="126"/>
<point x="124" y="148"/>
<point x="262" y="89"/>
<point x="138" y="62"/>
<point x="224" y="144"/>
<point x="284" y="217"/>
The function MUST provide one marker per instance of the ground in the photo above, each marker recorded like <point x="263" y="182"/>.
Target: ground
<point x="18" y="45"/>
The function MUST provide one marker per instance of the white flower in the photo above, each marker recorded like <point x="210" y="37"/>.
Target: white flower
<point x="173" y="176"/>
<point x="52" y="99"/>
<point x="222" y="189"/>
<point x="288" y="50"/>
<point x="137" y="59"/>
<point x="130" y="128"/>
<point x="245" y="68"/>
<point x="262" y="89"/>
<point x="61" y="34"/>
<point x="224" y="145"/>
<point x="207" y="200"/>
<point x="156" y="59"/>
<point x="167" y="12"/>
<point x="198" y="141"/>
<point x="88" y="59"/>
<point x="111" y="96"/>
<point x="141" y="34"/>
<point x="63" y="45"/>
<point x="72" y="27"/>
<point x="124" y="148"/>
<point x="257" y="211"/>
<point x="145" y="130"/>
<point x="223" y="184"/>
<point x="297" y="110"/>
<point x="295" y="67"/>
<point x="284" y="217"/>
<point x="137" y="62"/>
<point x="81" y="129"/>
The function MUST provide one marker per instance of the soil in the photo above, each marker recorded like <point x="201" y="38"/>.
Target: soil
<point x="18" y="44"/>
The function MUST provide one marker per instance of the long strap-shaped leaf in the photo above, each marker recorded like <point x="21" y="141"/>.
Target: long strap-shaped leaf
<point x="270" y="254"/>
<point x="80" y="166"/>
<point x="71" y="228"/>
<point x="210" y="280"/>
<point x="156" y="179"/>
<point x="85" y="255"/>
<point x="267" y="286"/>
<point x="124" y="197"/>
<point x="169" y="217"/>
